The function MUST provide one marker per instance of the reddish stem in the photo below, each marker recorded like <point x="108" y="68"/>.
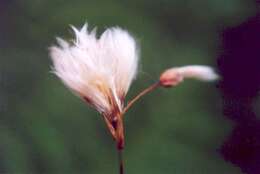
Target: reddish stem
<point x="142" y="93"/>
<point x="121" y="161"/>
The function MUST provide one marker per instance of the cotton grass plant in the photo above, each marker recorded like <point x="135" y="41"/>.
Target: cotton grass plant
<point x="101" y="70"/>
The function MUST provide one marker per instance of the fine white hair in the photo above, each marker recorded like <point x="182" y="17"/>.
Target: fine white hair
<point x="175" y="75"/>
<point x="200" y="72"/>
<point x="99" y="70"/>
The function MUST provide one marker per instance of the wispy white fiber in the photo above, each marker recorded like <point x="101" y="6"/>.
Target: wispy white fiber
<point x="100" y="70"/>
<point x="200" y="72"/>
<point x="174" y="76"/>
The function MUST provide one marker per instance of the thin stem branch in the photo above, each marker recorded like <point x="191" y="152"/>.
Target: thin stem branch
<point x="120" y="161"/>
<point x="142" y="93"/>
<point x="120" y="143"/>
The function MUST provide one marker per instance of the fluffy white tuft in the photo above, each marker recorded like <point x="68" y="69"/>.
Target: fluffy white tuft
<point x="174" y="76"/>
<point x="200" y="72"/>
<point x="98" y="70"/>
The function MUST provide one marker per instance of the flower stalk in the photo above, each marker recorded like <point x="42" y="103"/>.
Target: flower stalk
<point x="141" y="94"/>
<point x="120" y="161"/>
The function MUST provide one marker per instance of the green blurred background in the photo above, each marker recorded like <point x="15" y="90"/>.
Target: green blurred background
<point x="44" y="129"/>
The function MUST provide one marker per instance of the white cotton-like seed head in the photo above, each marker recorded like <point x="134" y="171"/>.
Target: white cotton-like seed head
<point x="173" y="76"/>
<point x="200" y="72"/>
<point x="99" y="70"/>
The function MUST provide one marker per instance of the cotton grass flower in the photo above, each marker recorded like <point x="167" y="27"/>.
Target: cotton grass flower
<point x="98" y="70"/>
<point x="101" y="70"/>
<point x="173" y="76"/>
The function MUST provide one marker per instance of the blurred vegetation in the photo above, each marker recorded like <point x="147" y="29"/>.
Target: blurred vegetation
<point x="45" y="129"/>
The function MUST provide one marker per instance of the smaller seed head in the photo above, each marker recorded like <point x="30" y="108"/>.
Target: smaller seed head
<point x="174" y="76"/>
